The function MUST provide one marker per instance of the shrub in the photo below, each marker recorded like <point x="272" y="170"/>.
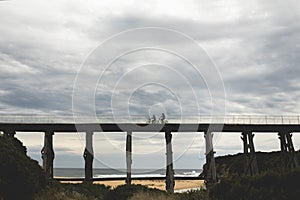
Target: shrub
<point x="192" y="195"/>
<point x="142" y="195"/>
<point x="268" y="185"/>
<point x="82" y="191"/>
<point x="20" y="176"/>
<point x="124" y="192"/>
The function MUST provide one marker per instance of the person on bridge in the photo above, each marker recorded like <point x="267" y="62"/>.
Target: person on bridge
<point x="162" y="118"/>
<point x="153" y="119"/>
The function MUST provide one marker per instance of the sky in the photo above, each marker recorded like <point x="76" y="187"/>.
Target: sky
<point x="123" y="59"/>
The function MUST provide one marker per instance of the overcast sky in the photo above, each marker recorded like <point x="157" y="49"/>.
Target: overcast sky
<point x="101" y="57"/>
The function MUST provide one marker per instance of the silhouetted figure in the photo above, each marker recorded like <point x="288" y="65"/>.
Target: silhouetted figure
<point x="153" y="119"/>
<point x="163" y="119"/>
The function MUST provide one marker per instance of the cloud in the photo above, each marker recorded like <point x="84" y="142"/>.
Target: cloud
<point x="261" y="44"/>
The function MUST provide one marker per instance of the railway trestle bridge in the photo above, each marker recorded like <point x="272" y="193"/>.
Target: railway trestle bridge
<point x="247" y="126"/>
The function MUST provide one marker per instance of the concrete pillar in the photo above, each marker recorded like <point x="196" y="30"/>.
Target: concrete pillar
<point x="128" y="157"/>
<point x="293" y="162"/>
<point x="88" y="157"/>
<point x="283" y="148"/>
<point x="289" y="158"/>
<point x="251" y="167"/>
<point x="211" y="174"/>
<point x="170" y="182"/>
<point x="253" y="160"/>
<point x="48" y="154"/>
<point x="244" y="137"/>
<point x="282" y="138"/>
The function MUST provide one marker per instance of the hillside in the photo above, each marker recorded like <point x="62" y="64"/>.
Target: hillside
<point x="20" y="176"/>
<point x="234" y="164"/>
<point x="274" y="180"/>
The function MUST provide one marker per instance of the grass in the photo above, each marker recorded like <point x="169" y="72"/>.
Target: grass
<point x="58" y="191"/>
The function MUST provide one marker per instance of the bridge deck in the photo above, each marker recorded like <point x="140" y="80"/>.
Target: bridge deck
<point x="38" y="123"/>
<point x="138" y="119"/>
<point x="124" y="127"/>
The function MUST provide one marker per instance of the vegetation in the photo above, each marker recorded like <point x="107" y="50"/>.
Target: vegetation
<point x="84" y="191"/>
<point x="267" y="185"/>
<point x="99" y="192"/>
<point x="20" y="176"/>
<point x="274" y="181"/>
<point x="124" y="192"/>
<point x="234" y="164"/>
<point x="192" y="195"/>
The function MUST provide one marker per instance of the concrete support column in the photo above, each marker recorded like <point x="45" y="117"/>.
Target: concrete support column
<point x="170" y="182"/>
<point x="210" y="174"/>
<point x="48" y="154"/>
<point x="251" y="167"/>
<point x="284" y="150"/>
<point x="289" y="158"/>
<point x="88" y="157"/>
<point x="128" y="157"/>
<point x="283" y="144"/>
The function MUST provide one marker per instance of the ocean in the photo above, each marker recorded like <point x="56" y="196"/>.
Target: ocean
<point x="106" y="172"/>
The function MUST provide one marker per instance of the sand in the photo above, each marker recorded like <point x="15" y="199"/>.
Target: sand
<point x="158" y="184"/>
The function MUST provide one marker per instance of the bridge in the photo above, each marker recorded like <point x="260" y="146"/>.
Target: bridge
<point x="244" y="125"/>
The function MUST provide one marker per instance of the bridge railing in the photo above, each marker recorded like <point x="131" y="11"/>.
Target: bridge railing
<point x="228" y="119"/>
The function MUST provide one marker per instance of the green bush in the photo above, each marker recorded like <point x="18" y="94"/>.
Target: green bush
<point x="20" y="176"/>
<point x="150" y="196"/>
<point x="124" y="192"/>
<point x="59" y="191"/>
<point x="268" y="185"/>
<point x="192" y="195"/>
<point x="97" y="191"/>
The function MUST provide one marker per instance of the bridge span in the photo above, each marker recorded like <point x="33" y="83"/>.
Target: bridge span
<point x="244" y="125"/>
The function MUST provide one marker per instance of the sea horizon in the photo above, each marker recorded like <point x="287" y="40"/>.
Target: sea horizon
<point x="108" y="172"/>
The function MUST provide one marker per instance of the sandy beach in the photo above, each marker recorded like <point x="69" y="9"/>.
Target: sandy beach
<point x="158" y="184"/>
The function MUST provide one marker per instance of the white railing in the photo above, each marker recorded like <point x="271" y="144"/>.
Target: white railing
<point x="228" y="119"/>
